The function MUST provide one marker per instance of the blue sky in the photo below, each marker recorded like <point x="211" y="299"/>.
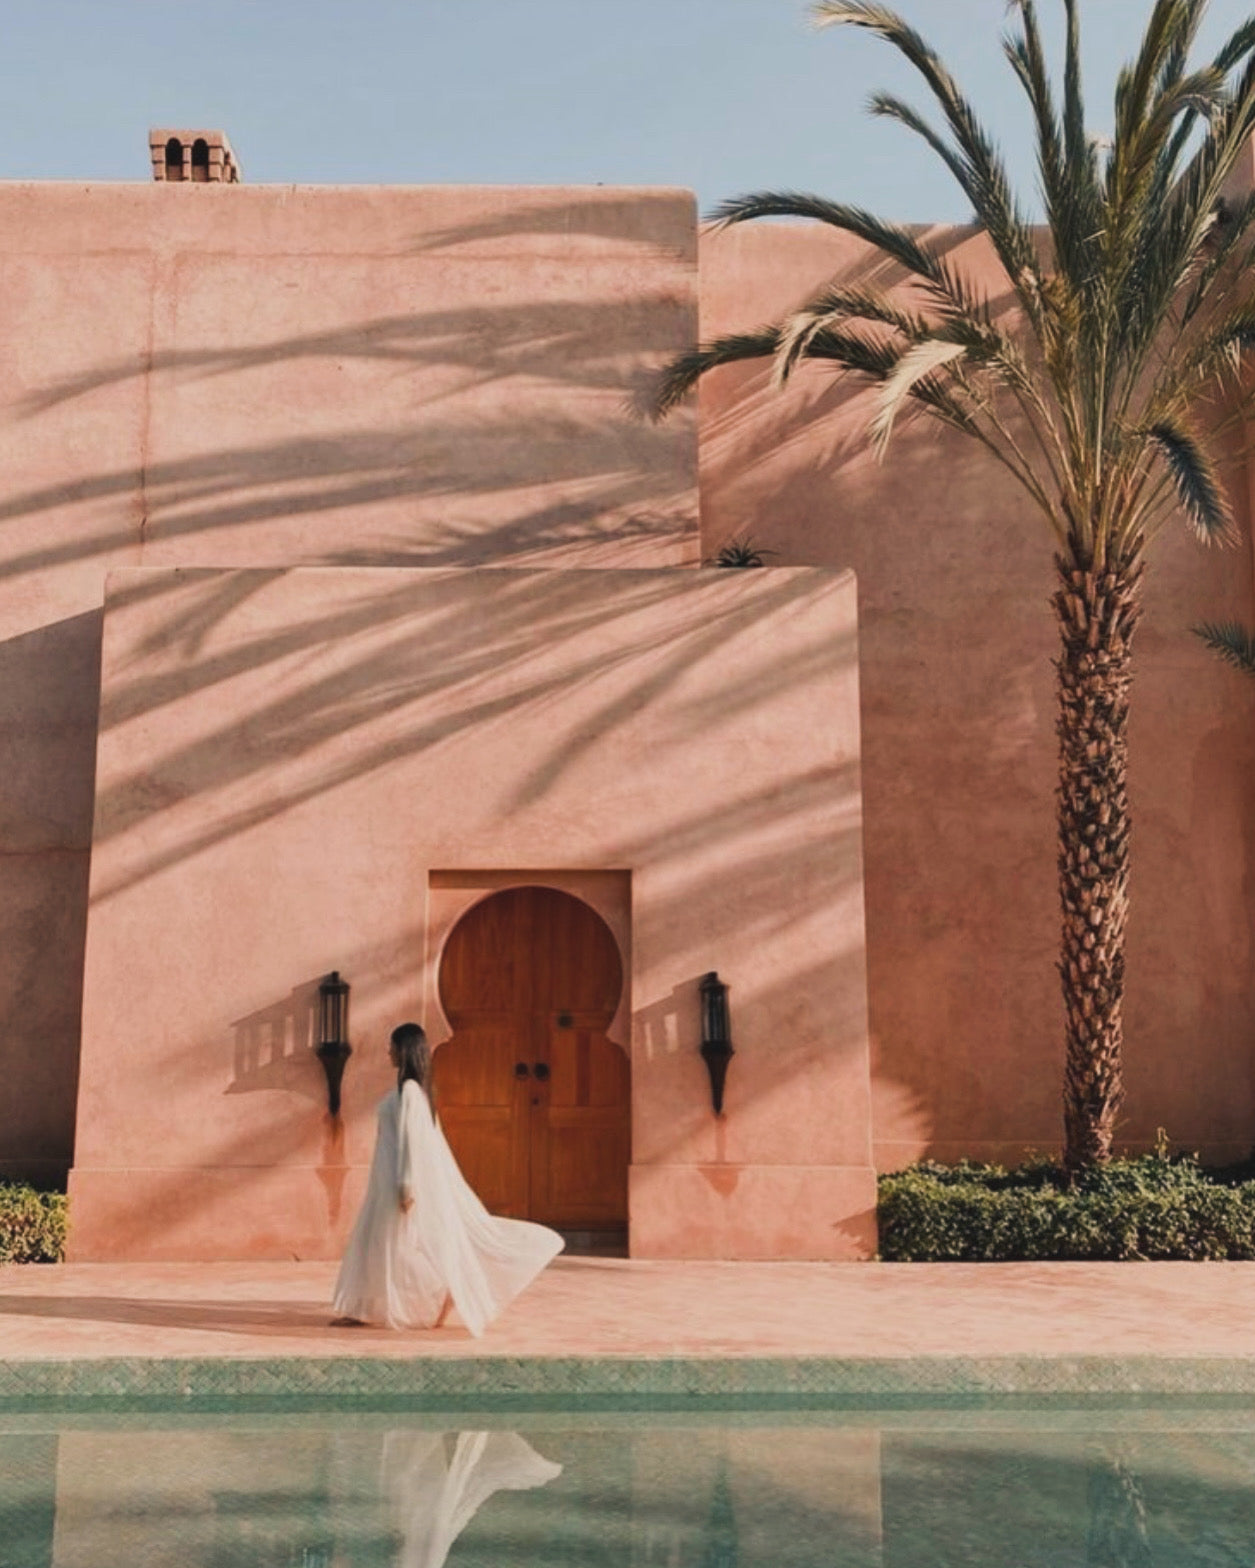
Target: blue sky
<point x="724" y="96"/>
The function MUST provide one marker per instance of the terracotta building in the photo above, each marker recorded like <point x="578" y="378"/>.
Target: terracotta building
<point x="354" y="620"/>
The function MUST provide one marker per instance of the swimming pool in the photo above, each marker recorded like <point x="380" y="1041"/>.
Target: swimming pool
<point x="1171" y="1484"/>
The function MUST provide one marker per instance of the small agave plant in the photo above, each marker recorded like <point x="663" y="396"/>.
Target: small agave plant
<point x="740" y="551"/>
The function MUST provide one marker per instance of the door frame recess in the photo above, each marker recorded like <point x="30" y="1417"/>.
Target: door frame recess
<point x="450" y="894"/>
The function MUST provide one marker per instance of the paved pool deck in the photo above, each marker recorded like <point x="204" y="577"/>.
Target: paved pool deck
<point x="636" y="1307"/>
<point x="592" y="1325"/>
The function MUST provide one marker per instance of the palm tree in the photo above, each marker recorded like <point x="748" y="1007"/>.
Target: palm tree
<point x="1129" y="309"/>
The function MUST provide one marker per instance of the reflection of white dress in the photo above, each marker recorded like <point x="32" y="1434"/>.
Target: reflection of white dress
<point x="398" y="1267"/>
<point x="434" y="1497"/>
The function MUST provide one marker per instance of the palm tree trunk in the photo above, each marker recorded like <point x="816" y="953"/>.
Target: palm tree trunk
<point x="1097" y="613"/>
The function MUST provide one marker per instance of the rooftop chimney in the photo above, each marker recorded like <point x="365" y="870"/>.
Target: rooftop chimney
<point x="197" y="157"/>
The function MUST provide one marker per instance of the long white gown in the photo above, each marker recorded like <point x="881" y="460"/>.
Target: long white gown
<point x="398" y="1267"/>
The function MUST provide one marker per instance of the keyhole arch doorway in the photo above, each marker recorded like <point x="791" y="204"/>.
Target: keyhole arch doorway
<point x="534" y="1096"/>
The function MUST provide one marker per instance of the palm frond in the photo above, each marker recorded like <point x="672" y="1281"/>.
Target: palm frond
<point x="1079" y="153"/>
<point x="981" y="170"/>
<point x="860" y="302"/>
<point x="1219" y="351"/>
<point x="1233" y="222"/>
<point x="919" y="362"/>
<point x="892" y="239"/>
<point x="1076" y="143"/>
<point x="831" y="308"/>
<point x="1239" y="45"/>
<point x="1177" y="53"/>
<point x="1156" y="65"/>
<point x="1150" y="148"/>
<point x="850" y="350"/>
<point x="887" y="106"/>
<point x="1232" y="641"/>
<point x="1028" y="59"/>
<point x="874" y="359"/>
<point x="1083" y="240"/>
<point x="1150" y="310"/>
<point x="1154" y="240"/>
<point x="681" y="374"/>
<point x="1198" y="488"/>
<point x="868" y="356"/>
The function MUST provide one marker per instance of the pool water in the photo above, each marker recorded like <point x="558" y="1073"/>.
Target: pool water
<point x="992" y="1488"/>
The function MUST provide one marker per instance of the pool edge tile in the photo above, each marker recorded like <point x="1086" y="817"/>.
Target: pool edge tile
<point x="506" y="1381"/>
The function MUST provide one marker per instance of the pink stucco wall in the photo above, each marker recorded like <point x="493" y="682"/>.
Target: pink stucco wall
<point x="954" y="573"/>
<point x="260" y="377"/>
<point x="263" y="376"/>
<point x="285" y="759"/>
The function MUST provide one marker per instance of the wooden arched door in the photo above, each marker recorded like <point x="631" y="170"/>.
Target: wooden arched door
<point x="533" y="1097"/>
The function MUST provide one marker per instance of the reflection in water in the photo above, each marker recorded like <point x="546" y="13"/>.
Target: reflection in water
<point x="434" y="1494"/>
<point x="1058" y="1494"/>
<point x="356" y="1489"/>
<point x="1117" y="1517"/>
<point x="28" y="1498"/>
<point x="722" y="1549"/>
<point x="254" y="1492"/>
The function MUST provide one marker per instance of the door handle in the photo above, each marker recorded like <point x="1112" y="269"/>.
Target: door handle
<point x="541" y="1069"/>
<point x="520" y="1069"/>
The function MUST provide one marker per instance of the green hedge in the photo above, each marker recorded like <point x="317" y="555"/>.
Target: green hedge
<point x="1150" y="1207"/>
<point x="32" y="1224"/>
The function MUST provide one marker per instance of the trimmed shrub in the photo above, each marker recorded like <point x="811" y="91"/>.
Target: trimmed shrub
<point x="1153" y="1206"/>
<point x="32" y="1224"/>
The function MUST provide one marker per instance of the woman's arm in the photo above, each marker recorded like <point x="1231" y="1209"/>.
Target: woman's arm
<point x="409" y="1134"/>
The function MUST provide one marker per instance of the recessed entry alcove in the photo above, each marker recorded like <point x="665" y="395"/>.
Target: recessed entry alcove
<point x="528" y="1002"/>
<point x="687" y="739"/>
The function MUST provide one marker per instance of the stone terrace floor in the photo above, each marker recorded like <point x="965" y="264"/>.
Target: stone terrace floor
<point x="609" y="1307"/>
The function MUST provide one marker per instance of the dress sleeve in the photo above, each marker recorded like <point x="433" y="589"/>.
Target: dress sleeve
<point x="409" y="1139"/>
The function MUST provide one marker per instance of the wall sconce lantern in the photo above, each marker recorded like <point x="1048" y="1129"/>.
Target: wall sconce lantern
<point x="333" y="1049"/>
<point x="716" y="1044"/>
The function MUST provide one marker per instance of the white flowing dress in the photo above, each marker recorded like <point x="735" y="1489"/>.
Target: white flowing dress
<point x="399" y="1266"/>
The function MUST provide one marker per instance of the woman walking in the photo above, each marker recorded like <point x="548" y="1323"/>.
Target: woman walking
<point x="423" y="1242"/>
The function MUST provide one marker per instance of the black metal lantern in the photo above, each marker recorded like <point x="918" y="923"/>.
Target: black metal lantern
<point x="716" y="1044"/>
<point x="333" y="1048"/>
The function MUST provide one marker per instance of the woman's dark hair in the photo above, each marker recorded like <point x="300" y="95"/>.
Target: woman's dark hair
<point x="413" y="1056"/>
